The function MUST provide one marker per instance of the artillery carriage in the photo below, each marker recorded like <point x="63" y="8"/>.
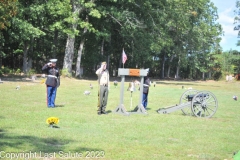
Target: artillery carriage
<point x="195" y="103"/>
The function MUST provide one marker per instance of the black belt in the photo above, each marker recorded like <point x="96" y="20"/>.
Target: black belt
<point x="105" y="85"/>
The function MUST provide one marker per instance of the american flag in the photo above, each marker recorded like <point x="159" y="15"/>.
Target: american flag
<point x="124" y="57"/>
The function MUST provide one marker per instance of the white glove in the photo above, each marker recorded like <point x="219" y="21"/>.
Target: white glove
<point x="49" y="64"/>
<point x="145" y="85"/>
<point x="102" y="66"/>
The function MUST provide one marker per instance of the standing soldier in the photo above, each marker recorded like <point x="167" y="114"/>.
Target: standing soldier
<point x="52" y="82"/>
<point x="146" y="85"/>
<point x="104" y="86"/>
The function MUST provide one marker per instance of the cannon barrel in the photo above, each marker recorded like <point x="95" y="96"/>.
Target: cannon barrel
<point x="195" y="103"/>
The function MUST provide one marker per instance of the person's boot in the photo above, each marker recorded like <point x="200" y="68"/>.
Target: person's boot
<point x="99" y="111"/>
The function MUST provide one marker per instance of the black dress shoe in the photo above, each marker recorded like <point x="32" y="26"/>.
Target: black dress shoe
<point x="99" y="113"/>
<point x="104" y="112"/>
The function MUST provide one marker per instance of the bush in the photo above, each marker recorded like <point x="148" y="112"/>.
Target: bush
<point x="5" y="70"/>
<point x="65" y="73"/>
<point x="31" y="72"/>
<point x="18" y="71"/>
<point x="217" y="75"/>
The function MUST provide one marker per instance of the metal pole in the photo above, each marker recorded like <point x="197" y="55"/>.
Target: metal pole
<point x="141" y="90"/>
<point x="122" y="89"/>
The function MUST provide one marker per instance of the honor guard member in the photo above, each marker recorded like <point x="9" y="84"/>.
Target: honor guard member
<point x="104" y="86"/>
<point x="146" y="85"/>
<point x="52" y="82"/>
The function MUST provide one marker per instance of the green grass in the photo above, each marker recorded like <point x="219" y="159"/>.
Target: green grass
<point x="23" y="127"/>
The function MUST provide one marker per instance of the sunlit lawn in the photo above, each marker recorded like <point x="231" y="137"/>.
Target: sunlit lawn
<point x="83" y="133"/>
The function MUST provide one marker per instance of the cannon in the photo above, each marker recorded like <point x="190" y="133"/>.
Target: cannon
<point x="194" y="103"/>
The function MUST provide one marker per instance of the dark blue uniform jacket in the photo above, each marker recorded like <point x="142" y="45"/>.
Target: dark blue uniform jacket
<point x="53" y="76"/>
<point x="146" y="81"/>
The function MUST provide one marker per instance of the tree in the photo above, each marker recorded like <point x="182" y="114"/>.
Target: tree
<point x="7" y="11"/>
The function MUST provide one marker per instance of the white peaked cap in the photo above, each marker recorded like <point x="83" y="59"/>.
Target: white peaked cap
<point x="53" y="60"/>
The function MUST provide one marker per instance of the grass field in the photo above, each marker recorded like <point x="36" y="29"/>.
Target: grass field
<point x="82" y="134"/>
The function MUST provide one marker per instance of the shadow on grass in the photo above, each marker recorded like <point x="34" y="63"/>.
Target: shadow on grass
<point x="109" y="111"/>
<point x="59" y="105"/>
<point x="19" y="79"/>
<point x="13" y="142"/>
<point x="182" y="83"/>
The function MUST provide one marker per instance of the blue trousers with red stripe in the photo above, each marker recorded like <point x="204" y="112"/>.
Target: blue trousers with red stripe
<point x="51" y="96"/>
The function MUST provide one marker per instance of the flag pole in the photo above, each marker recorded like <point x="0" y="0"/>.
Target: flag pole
<point x="122" y="57"/>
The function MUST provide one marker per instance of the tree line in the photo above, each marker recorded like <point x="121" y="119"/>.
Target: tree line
<point x="176" y="38"/>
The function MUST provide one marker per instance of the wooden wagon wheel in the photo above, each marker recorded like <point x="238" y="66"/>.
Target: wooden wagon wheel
<point x="204" y="104"/>
<point x="187" y="97"/>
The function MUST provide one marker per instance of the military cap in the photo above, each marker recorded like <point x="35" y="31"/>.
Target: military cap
<point x="53" y="60"/>
<point x="147" y="69"/>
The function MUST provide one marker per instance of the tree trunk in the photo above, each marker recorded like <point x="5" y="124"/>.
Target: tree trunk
<point x="203" y="75"/>
<point x="25" y="57"/>
<point x="29" y="56"/>
<point x="1" y="57"/>
<point x="108" y="62"/>
<point x="178" y="68"/>
<point x="69" y="51"/>
<point x="209" y="74"/>
<point x="163" y="66"/>
<point x="102" y="47"/>
<point x="29" y="64"/>
<point x="169" y="66"/>
<point x="78" y="63"/>
<point x="80" y="52"/>
<point x="0" y="61"/>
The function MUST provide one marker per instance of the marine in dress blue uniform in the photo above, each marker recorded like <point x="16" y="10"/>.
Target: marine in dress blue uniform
<point x="52" y="82"/>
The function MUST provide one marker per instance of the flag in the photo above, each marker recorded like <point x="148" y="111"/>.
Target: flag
<point x="124" y="57"/>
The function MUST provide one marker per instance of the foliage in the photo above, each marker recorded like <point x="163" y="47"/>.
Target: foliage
<point x="167" y="30"/>
<point x="217" y="75"/>
<point x="65" y="73"/>
<point x="7" y="10"/>
<point x="5" y="70"/>
<point x="18" y="71"/>
<point x="31" y="72"/>
<point x="230" y="62"/>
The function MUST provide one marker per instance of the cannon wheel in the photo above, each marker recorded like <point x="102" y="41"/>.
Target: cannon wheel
<point x="204" y="104"/>
<point x="184" y="99"/>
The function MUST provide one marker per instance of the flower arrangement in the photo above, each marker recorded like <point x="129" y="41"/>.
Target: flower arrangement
<point x="43" y="81"/>
<point x="52" y="120"/>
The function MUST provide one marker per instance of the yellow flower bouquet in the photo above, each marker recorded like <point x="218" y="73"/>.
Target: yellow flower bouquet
<point x="43" y="81"/>
<point x="52" y="120"/>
